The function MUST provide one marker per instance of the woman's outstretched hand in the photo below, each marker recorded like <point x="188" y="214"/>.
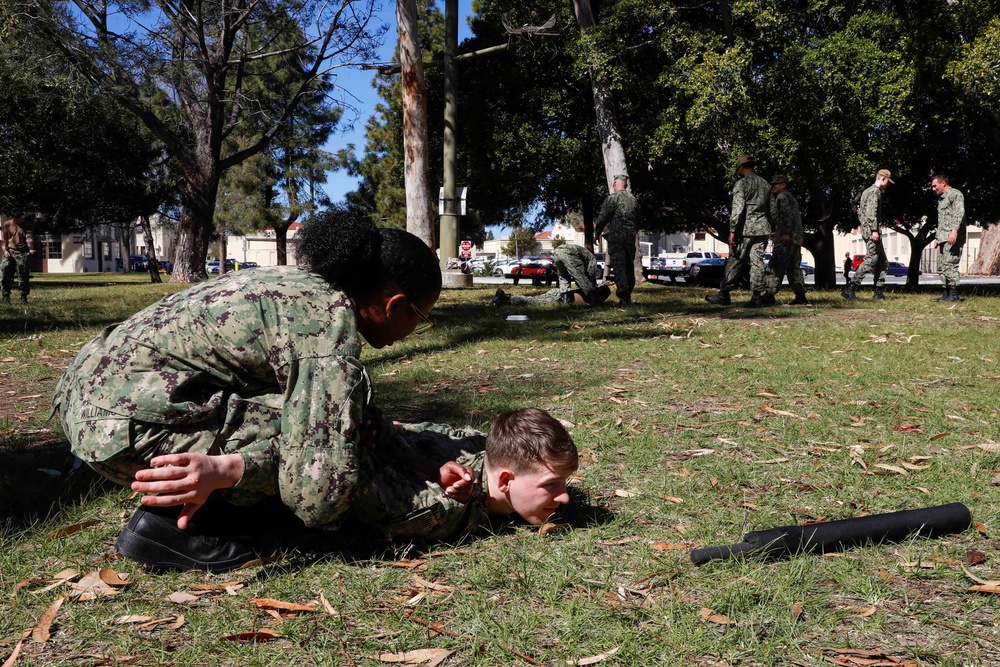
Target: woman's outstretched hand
<point x="186" y="479"/>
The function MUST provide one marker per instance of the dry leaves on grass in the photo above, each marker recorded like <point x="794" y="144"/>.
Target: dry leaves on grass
<point x="100" y="583"/>
<point x="41" y="632"/>
<point x="279" y="606"/>
<point x="422" y="657"/>
<point x="255" y="636"/>
<point x="57" y="579"/>
<point x="850" y="657"/>
<point x="712" y="617"/>
<point x="71" y="529"/>
<point x="174" y="622"/>
<point x="593" y="660"/>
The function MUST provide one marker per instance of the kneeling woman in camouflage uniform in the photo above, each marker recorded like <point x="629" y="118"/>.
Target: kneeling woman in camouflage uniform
<point x="249" y="382"/>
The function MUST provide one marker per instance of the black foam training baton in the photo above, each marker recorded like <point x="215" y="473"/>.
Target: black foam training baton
<point x="838" y="535"/>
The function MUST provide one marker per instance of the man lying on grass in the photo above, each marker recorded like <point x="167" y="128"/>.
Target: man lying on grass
<point x="417" y="481"/>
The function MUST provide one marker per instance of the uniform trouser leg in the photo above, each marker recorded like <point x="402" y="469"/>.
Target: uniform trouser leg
<point x="785" y="260"/>
<point x="552" y="296"/>
<point x="18" y="263"/>
<point x="749" y="251"/>
<point x="623" y="262"/>
<point x="578" y="273"/>
<point x="948" y="260"/>
<point x="875" y="261"/>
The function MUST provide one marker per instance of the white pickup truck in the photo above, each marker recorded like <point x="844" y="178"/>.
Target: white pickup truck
<point x="679" y="264"/>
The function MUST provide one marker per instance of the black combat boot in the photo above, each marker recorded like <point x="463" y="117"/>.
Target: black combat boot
<point x="799" y="300"/>
<point x="767" y="299"/>
<point x="720" y="299"/>
<point x="848" y="291"/>
<point x="945" y="295"/>
<point x="879" y="294"/>
<point x="952" y="294"/>
<point x="754" y="302"/>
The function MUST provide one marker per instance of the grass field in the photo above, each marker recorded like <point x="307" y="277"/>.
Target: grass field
<point x="695" y="424"/>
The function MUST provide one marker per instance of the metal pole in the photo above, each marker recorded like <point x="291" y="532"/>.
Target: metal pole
<point x="449" y="220"/>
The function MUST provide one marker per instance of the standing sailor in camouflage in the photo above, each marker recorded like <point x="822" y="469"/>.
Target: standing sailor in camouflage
<point x="17" y="244"/>
<point x="573" y="263"/>
<point x="249" y="382"/>
<point x="621" y="215"/>
<point x="950" y="234"/>
<point x="871" y="215"/>
<point x="786" y="255"/>
<point x="749" y="231"/>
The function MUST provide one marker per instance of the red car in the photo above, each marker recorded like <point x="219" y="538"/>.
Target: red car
<point x="540" y="270"/>
<point x="856" y="262"/>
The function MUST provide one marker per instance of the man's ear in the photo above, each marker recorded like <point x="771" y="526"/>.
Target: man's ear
<point x="504" y="479"/>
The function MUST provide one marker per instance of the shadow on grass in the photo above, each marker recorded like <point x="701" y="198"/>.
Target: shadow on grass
<point x="38" y="480"/>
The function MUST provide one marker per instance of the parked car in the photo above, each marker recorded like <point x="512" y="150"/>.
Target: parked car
<point x="501" y="267"/>
<point x="539" y="269"/>
<point x="138" y="262"/>
<point x="212" y="268"/>
<point x="246" y="265"/>
<point x="807" y="269"/>
<point x="899" y="269"/>
<point x="709" y="271"/>
<point x="856" y="261"/>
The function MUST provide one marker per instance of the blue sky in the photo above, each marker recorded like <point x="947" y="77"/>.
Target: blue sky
<point x="358" y="85"/>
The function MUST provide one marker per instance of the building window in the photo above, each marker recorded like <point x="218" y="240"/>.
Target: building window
<point x="88" y="249"/>
<point x="699" y="236"/>
<point x="106" y="249"/>
<point x="53" y="246"/>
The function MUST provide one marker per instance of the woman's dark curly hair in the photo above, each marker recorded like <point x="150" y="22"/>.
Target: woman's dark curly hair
<point x="352" y="254"/>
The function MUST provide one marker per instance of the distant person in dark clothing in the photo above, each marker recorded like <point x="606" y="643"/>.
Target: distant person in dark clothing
<point x="848" y="264"/>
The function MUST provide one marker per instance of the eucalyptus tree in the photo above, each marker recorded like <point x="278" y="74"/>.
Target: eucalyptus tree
<point x="200" y="53"/>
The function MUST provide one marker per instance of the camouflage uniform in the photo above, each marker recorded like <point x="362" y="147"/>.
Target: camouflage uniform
<point x="397" y="490"/>
<point x="621" y="215"/>
<point x="20" y="253"/>
<point x="751" y="228"/>
<point x="574" y="263"/>
<point x="260" y="363"/>
<point x="786" y="259"/>
<point x="951" y="217"/>
<point x="871" y="215"/>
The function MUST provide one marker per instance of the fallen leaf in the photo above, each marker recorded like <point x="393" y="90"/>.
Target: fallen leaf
<point x="670" y="546"/>
<point x="711" y="616"/>
<point x="268" y="603"/>
<point x="547" y="528"/>
<point x="622" y="493"/>
<point x="980" y="527"/>
<point x="69" y="530"/>
<point x="326" y="605"/>
<point x="780" y="413"/>
<point x="17" y="650"/>
<point x="262" y="635"/>
<point x="912" y="466"/>
<point x="430" y="657"/>
<point x="975" y="557"/>
<point x="864" y="612"/>
<point x="672" y="499"/>
<point x="771" y="461"/>
<point x="433" y="585"/>
<point x="908" y="428"/>
<point x="177" y="624"/>
<point x="228" y="587"/>
<point x="992" y="588"/>
<point x="895" y="469"/>
<point x="111" y="578"/>
<point x="58" y="579"/>
<point x="40" y="633"/>
<point x="93" y="585"/>
<point x="593" y="660"/>
<point x="133" y="618"/>
<point x="796" y="610"/>
<point x="619" y="541"/>
<point x="180" y="597"/>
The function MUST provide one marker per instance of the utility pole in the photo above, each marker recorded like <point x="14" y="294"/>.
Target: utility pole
<point x="449" y="219"/>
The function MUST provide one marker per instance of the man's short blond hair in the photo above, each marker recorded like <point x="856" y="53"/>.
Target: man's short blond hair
<point x="526" y="438"/>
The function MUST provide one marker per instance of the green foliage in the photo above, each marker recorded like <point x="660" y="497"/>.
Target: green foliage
<point x="68" y="152"/>
<point x="522" y="242"/>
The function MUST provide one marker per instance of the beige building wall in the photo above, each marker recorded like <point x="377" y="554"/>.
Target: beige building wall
<point x="897" y="249"/>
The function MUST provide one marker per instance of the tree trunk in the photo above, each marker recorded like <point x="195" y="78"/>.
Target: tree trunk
<point x="607" y="122"/>
<point x="917" y="244"/>
<point x="822" y="252"/>
<point x="152" y="263"/>
<point x="988" y="261"/>
<point x="281" y="240"/>
<point x="197" y="212"/>
<point x="416" y="165"/>
<point x="587" y="208"/>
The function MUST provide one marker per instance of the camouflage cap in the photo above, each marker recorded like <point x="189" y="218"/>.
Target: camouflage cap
<point x="886" y="173"/>
<point x="621" y="177"/>
<point x="745" y="161"/>
<point x="778" y="178"/>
